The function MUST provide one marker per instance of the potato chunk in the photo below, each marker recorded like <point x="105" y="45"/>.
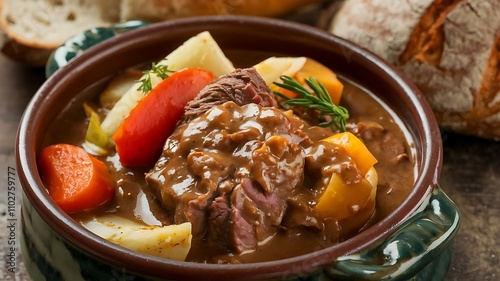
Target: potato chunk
<point x="171" y="242"/>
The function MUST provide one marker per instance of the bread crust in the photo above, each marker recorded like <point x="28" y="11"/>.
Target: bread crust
<point x="159" y="10"/>
<point x="448" y="48"/>
<point x="25" y="54"/>
<point x="382" y="26"/>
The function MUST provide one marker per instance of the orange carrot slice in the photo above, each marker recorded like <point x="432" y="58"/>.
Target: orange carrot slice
<point x="76" y="180"/>
<point x="141" y="136"/>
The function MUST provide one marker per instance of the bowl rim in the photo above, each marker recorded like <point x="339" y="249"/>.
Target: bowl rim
<point x="118" y="256"/>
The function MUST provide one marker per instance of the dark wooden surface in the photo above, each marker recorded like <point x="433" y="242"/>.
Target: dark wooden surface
<point x="470" y="176"/>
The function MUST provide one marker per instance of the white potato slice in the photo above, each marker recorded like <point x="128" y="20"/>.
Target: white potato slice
<point x="200" y="51"/>
<point x="118" y="86"/>
<point x="272" y="68"/>
<point x="171" y="242"/>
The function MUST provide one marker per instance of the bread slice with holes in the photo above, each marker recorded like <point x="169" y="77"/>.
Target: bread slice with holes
<point x="449" y="48"/>
<point x="32" y="29"/>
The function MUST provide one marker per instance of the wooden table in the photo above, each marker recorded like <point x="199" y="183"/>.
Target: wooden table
<point x="470" y="176"/>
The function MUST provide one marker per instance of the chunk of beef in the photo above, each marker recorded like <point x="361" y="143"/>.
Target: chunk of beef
<point x="234" y="166"/>
<point x="242" y="87"/>
<point x="230" y="172"/>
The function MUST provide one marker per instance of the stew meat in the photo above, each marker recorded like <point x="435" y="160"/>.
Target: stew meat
<point x="237" y="169"/>
<point x="245" y="172"/>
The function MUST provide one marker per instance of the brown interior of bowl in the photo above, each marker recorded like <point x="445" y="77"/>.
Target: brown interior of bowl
<point x="232" y="33"/>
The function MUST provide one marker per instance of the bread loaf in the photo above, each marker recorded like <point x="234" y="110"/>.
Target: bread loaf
<point x="159" y="10"/>
<point x="449" y="48"/>
<point x="33" y="28"/>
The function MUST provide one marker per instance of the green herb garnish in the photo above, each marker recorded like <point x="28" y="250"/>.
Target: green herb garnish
<point x="320" y="100"/>
<point x="161" y="71"/>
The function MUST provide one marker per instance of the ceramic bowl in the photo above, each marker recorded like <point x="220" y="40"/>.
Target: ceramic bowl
<point x="414" y="242"/>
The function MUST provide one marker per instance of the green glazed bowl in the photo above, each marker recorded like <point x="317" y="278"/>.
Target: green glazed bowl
<point x="412" y="243"/>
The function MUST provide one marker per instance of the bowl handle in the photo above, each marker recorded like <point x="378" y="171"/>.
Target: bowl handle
<point x="78" y="43"/>
<point x="420" y="246"/>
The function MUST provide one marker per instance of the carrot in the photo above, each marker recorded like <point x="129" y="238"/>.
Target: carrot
<point x="75" y="180"/>
<point x="141" y="136"/>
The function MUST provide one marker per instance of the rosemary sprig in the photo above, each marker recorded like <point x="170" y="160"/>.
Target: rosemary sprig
<point x="161" y="71"/>
<point x="320" y="100"/>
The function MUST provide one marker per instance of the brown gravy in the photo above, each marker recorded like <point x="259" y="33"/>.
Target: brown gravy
<point x="133" y="200"/>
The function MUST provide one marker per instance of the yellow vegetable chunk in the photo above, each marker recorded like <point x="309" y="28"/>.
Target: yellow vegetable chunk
<point x="300" y="68"/>
<point x="325" y="75"/>
<point x="96" y="141"/>
<point x="351" y="205"/>
<point x="341" y="200"/>
<point x="356" y="149"/>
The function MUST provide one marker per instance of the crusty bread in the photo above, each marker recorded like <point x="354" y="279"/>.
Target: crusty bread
<point x="166" y="9"/>
<point x="449" y="48"/>
<point x="33" y="28"/>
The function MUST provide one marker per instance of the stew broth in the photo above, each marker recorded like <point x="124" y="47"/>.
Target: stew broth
<point x="382" y="132"/>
